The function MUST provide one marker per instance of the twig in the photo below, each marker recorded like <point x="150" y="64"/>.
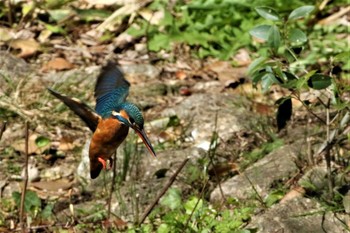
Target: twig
<point x="10" y="12"/>
<point x="195" y="207"/>
<point x="2" y="128"/>
<point x="211" y="155"/>
<point x="25" y="180"/>
<point x="261" y="200"/>
<point x="328" y="154"/>
<point x="309" y="110"/>
<point x="112" y="186"/>
<point x="162" y="192"/>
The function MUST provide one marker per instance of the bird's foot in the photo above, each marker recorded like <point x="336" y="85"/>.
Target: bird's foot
<point x="101" y="160"/>
<point x="107" y="165"/>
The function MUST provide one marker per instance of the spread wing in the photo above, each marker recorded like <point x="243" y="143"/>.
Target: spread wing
<point x="111" y="89"/>
<point x="82" y="110"/>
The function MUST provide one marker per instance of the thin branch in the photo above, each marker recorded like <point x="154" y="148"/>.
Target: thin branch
<point x="25" y="180"/>
<point x="309" y="110"/>
<point x="195" y="207"/>
<point x="162" y="192"/>
<point x="2" y="128"/>
<point x="328" y="154"/>
<point x="261" y="200"/>
<point x="111" y="191"/>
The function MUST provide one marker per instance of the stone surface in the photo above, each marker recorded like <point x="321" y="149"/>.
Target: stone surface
<point x="299" y="215"/>
<point x="276" y="166"/>
<point x="208" y="113"/>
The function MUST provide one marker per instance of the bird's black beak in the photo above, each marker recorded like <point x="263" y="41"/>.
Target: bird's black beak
<point x="146" y="141"/>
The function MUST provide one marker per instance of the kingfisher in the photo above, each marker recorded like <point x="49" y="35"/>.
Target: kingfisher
<point x="111" y="119"/>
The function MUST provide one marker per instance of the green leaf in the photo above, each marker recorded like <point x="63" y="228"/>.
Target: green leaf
<point x="267" y="80"/>
<point x="42" y="141"/>
<point x="158" y="42"/>
<point x="60" y="14"/>
<point x="284" y="111"/>
<point x="268" y="13"/>
<point x="55" y="29"/>
<point x="300" y="12"/>
<point x="31" y="200"/>
<point x="297" y="36"/>
<point x="303" y="80"/>
<point x="256" y="65"/>
<point x="47" y="211"/>
<point x="92" y="14"/>
<point x="260" y="32"/>
<point x="292" y="80"/>
<point x="274" y="197"/>
<point x="192" y="203"/>
<point x="319" y="81"/>
<point x="172" y="199"/>
<point x="274" y="38"/>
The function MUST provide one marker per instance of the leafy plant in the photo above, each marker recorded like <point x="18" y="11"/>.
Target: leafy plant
<point x="281" y="65"/>
<point x="196" y="215"/>
<point x="209" y="27"/>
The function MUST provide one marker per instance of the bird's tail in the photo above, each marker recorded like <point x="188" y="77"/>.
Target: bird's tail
<point x="86" y="113"/>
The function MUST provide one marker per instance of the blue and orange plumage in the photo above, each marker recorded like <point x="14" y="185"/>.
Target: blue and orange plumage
<point x="112" y="118"/>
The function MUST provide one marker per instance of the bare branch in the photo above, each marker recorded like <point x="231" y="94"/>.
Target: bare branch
<point x="162" y="192"/>
<point x="25" y="180"/>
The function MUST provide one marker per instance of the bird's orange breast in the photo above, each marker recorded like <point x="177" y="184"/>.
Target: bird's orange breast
<point x="110" y="133"/>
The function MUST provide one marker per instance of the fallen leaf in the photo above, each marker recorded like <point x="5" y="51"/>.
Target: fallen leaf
<point x="263" y="109"/>
<point x="242" y="58"/>
<point x="181" y="75"/>
<point x="33" y="147"/>
<point x="58" y="64"/>
<point x="221" y="169"/>
<point x="185" y="91"/>
<point x="28" y="47"/>
<point x="56" y="185"/>
<point x="294" y="193"/>
<point x="229" y="76"/>
<point x="6" y="34"/>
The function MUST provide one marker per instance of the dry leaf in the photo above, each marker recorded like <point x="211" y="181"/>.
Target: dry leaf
<point x="222" y="169"/>
<point x="32" y="145"/>
<point x="28" y="47"/>
<point x="56" y="185"/>
<point x="294" y="193"/>
<point x="6" y="34"/>
<point x="228" y="75"/>
<point x="242" y="58"/>
<point x="181" y="75"/>
<point x="58" y="64"/>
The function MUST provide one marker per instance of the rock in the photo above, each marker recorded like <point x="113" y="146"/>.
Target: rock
<point x="33" y="173"/>
<point x="137" y="71"/>
<point x="315" y="179"/>
<point x="208" y="113"/>
<point x="83" y="170"/>
<point x="299" y="215"/>
<point x="276" y="166"/>
<point x="346" y="202"/>
<point x="57" y="172"/>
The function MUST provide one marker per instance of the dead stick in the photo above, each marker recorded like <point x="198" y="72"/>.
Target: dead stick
<point x="25" y="180"/>
<point x="163" y="191"/>
<point x="112" y="186"/>
<point x="3" y="128"/>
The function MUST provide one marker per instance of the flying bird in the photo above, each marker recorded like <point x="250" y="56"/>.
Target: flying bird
<point x="111" y="119"/>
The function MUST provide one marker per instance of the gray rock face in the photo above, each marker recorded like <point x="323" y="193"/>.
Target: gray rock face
<point x="276" y="166"/>
<point x="206" y="114"/>
<point x="299" y="215"/>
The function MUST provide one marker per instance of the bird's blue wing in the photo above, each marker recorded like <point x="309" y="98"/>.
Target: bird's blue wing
<point x="111" y="89"/>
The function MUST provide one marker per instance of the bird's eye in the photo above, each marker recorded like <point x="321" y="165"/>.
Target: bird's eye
<point x="131" y="120"/>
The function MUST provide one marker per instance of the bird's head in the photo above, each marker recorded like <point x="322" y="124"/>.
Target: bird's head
<point x="129" y="115"/>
